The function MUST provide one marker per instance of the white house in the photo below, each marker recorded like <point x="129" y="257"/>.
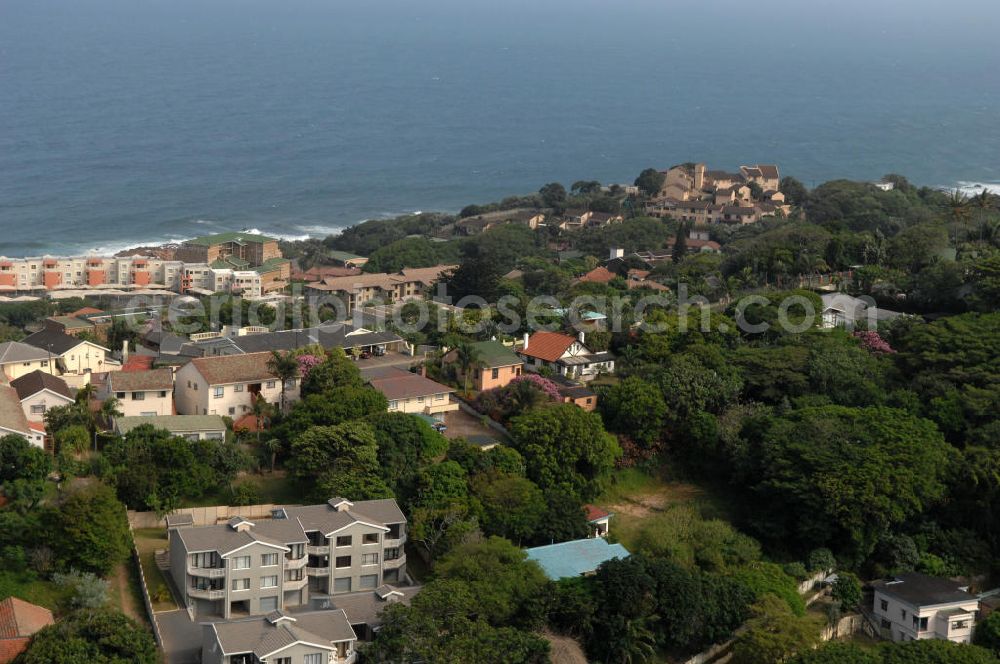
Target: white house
<point x="843" y="310"/>
<point x="13" y="421"/>
<point x="565" y="355"/>
<point x="228" y="385"/>
<point x="142" y="393"/>
<point x="916" y="606"/>
<point x="19" y="359"/>
<point x="39" y="392"/>
<point x="75" y="359"/>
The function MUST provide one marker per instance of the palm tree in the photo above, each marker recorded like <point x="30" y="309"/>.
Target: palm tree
<point x="110" y="409"/>
<point x="634" y="642"/>
<point x="285" y="368"/>
<point x="467" y="356"/>
<point x="261" y="412"/>
<point x="958" y="210"/>
<point x="272" y="446"/>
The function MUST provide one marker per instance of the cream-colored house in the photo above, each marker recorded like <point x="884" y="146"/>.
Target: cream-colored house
<point x="142" y="393"/>
<point x="75" y="359"/>
<point x="13" y="421"/>
<point x="20" y="359"/>
<point x="228" y="384"/>
<point x="40" y="392"/>
<point x="916" y="606"/>
<point x="411" y="393"/>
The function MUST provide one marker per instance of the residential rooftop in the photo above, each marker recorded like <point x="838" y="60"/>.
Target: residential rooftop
<point x="575" y="558"/>
<point x="175" y="424"/>
<point x="236" y="237"/>
<point x="922" y="590"/>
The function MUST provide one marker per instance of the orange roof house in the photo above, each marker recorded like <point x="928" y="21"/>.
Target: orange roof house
<point x="599" y="275"/>
<point x="548" y="346"/>
<point x="19" y="620"/>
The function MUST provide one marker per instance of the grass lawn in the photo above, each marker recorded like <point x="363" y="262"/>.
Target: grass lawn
<point x="37" y="591"/>
<point x="635" y="497"/>
<point x="147" y="541"/>
<point x="276" y="488"/>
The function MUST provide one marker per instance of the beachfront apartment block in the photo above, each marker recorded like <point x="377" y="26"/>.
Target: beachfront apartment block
<point x="299" y="555"/>
<point x="692" y="193"/>
<point x="243" y="263"/>
<point x="228" y="385"/>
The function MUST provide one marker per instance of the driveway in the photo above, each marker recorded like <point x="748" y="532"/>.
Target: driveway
<point x="462" y="425"/>
<point x="389" y="360"/>
<point x="181" y="637"/>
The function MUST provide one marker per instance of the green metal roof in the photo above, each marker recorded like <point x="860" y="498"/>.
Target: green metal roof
<point x="230" y="263"/>
<point x="271" y="264"/>
<point x="495" y="354"/>
<point x="241" y="238"/>
<point x="343" y="255"/>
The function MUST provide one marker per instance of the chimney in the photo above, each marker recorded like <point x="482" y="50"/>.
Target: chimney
<point x="124" y="351"/>
<point x="616" y="252"/>
<point x="525" y="341"/>
<point x="581" y="337"/>
<point x="699" y="176"/>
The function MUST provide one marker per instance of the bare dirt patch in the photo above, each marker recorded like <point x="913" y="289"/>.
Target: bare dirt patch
<point x="642" y="505"/>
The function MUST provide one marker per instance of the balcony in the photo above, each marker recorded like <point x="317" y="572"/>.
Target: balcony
<point x="317" y="550"/>
<point x="295" y="563"/>
<point x="207" y="572"/>
<point x="206" y="594"/>
<point x="318" y="571"/>
<point x="295" y="585"/>
<point x="394" y="563"/>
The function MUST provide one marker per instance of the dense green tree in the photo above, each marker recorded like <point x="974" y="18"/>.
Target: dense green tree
<point x="847" y="590"/>
<point x="934" y="651"/>
<point x="553" y="195"/>
<point x="795" y="192"/>
<point x="93" y="636"/>
<point x="405" y="443"/>
<point x="335" y="371"/>
<point x="855" y="473"/>
<point x="512" y="507"/>
<point x="20" y="460"/>
<point x="410" y="252"/>
<point x="650" y="181"/>
<point x="774" y="633"/>
<point x="334" y="406"/>
<point x="837" y="652"/>
<point x="285" y="368"/>
<point x="339" y="460"/>
<point x="89" y="530"/>
<point x="634" y="407"/>
<point x="988" y="633"/>
<point x="565" y="447"/>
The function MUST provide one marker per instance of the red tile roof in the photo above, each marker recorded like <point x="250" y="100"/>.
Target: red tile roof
<point x="18" y="621"/>
<point x="548" y="346"/>
<point x="599" y="275"/>
<point x="595" y="513"/>
<point x="86" y="311"/>
<point x="138" y="363"/>
<point x="247" y="423"/>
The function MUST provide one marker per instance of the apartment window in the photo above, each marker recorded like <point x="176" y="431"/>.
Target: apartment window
<point x="420" y="399"/>
<point x="370" y="538"/>
<point x="269" y="559"/>
<point x="920" y="624"/>
<point x="884" y="604"/>
<point x="163" y="394"/>
<point x="294" y="575"/>
<point x="369" y="559"/>
<point x="960" y="624"/>
<point x="138" y="396"/>
<point x="237" y="388"/>
<point x="344" y="540"/>
<point x="269" y="581"/>
<point x="232" y="410"/>
<point x="37" y="410"/>
<point x="439" y="397"/>
<point x="241" y="562"/>
<point x="218" y="392"/>
<point x="119" y="395"/>
<point x="392" y="554"/>
<point x="902" y="612"/>
<point x="313" y="658"/>
<point x="496" y="374"/>
<point x="291" y="383"/>
<point x="241" y="584"/>
<point x="270" y="385"/>
<point x="368" y="581"/>
<point x="886" y="624"/>
<point x="342" y="585"/>
<point x="393" y="405"/>
<point x="343" y="561"/>
<point x="283" y="660"/>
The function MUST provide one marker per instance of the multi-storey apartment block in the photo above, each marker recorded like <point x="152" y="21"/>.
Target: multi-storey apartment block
<point x="301" y="554"/>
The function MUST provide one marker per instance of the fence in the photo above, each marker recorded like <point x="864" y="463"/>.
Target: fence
<point x="145" y="597"/>
<point x="203" y="516"/>
<point x="846" y="626"/>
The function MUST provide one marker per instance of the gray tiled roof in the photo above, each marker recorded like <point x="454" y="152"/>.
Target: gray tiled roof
<point x="36" y="381"/>
<point x="922" y="590"/>
<point x="57" y="342"/>
<point x="16" y="351"/>
<point x="326" y="519"/>
<point x="141" y="381"/>
<point x="264" y="635"/>
<point x="364" y="607"/>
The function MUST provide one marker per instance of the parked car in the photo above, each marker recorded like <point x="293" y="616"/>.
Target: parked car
<point x="440" y="427"/>
<point x="379" y="351"/>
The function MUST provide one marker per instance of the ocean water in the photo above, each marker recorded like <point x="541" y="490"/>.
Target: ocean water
<point x="136" y="121"/>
